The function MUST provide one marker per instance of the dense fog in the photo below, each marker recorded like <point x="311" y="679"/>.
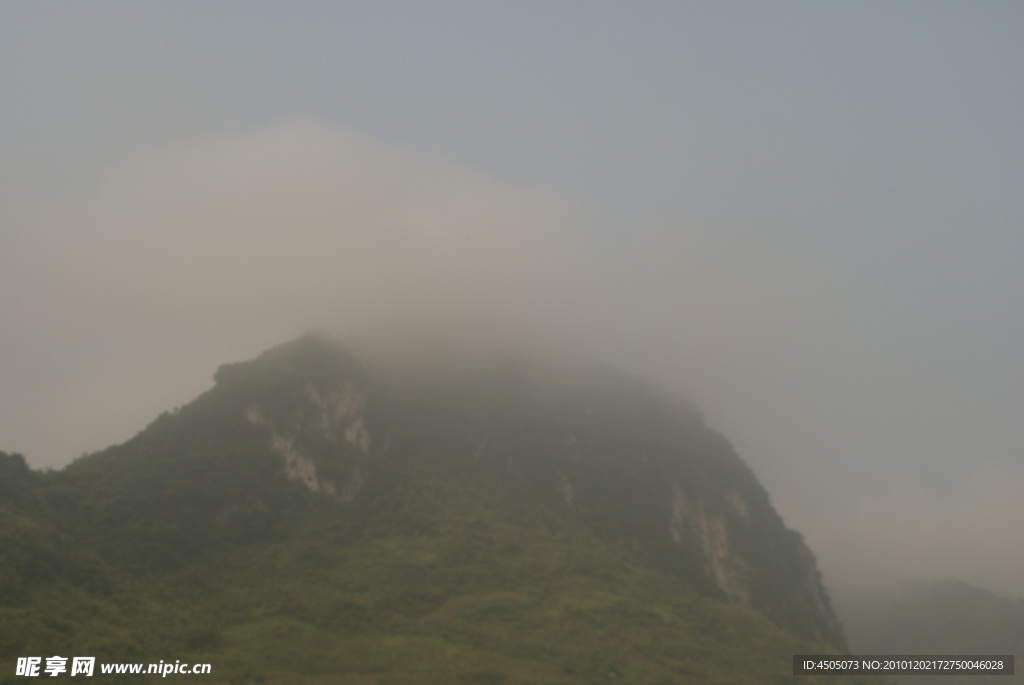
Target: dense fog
<point x="806" y="220"/>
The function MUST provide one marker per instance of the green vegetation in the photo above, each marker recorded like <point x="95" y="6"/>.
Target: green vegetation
<point x="306" y="521"/>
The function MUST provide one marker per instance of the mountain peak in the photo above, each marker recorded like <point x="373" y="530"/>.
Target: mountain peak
<point x="313" y="357"/>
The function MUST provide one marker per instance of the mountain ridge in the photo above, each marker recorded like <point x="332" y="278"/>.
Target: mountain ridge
<point x="307" y="442"/>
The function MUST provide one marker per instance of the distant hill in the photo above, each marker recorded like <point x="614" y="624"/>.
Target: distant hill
<point x="331" y="513"/>
<point x="935" y="617"/>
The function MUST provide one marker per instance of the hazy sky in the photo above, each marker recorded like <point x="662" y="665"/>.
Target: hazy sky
<point x="808" y="217"/>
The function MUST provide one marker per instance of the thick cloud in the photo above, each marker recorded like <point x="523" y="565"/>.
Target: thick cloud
<point x="121" y="300"/>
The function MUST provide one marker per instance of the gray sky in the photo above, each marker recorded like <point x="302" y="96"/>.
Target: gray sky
<point x="808" y="217"/>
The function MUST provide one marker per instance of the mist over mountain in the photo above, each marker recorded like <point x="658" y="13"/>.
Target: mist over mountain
<point x="415" y="511"/>
<point x="805" y="218"/>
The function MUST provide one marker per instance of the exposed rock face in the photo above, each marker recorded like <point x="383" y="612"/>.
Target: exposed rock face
<point x="321" y="417"/>
<point x="724" y="564"/>
<point x="298" y="467"/>
<point x="306" y="400"/>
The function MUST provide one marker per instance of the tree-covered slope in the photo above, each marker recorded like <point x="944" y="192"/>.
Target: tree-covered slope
<point x="315" y="517"/>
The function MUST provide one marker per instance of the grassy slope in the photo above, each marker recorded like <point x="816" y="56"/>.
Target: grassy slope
<point x="438" y="575"/>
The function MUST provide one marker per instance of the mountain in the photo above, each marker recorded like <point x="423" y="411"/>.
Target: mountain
<point x="934" y="617"/>
<point x="418" y="513"/>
